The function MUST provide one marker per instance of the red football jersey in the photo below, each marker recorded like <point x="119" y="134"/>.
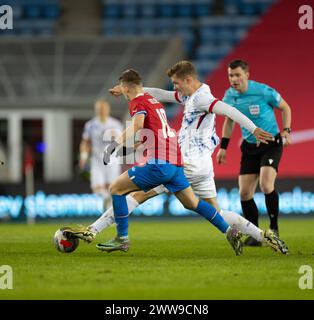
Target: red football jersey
<point x="160" y="140"/>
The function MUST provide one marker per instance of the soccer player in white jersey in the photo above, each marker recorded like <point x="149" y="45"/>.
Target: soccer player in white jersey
<point x="197" y="140"/>
<point x="99" y="132"/>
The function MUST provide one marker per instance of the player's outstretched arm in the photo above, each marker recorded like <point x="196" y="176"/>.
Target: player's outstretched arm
<point x="160" y="94"/>
<point x="222" y="108"/>
<point x="163" y="95"/>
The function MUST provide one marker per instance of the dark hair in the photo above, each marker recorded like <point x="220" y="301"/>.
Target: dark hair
<point x="239" y="63"/>
<point x="130" y="77"/>
<point x="182" y="69"/>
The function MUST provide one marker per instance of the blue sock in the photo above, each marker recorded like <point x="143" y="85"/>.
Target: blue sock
<point x="212" y="215"/>
<point x="120" y="210"/>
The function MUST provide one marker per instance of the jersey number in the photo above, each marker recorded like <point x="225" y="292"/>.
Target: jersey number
<point x="166" y="130"/>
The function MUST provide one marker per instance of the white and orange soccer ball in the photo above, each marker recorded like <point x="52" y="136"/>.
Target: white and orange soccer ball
<point x="63" y="243"/>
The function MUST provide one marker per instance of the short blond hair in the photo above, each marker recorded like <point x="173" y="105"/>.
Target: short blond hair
<point x="182" y="69"/>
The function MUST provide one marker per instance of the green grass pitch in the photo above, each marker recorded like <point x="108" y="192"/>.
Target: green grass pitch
<point x="187" y="259"/>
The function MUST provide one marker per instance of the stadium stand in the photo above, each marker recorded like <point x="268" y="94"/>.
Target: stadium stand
<point x="74" y="71"/>
<point x="246" y="7"/>
<point x="209" y="31"/>
<point x="208" y="34"/>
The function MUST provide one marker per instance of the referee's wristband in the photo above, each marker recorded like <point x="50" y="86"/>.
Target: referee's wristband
<point x="224" y="143"/>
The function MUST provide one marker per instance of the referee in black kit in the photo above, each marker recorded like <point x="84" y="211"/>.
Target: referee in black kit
<point x="259" y="162"/>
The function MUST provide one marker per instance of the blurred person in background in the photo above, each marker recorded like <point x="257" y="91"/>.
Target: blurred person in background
<point x="259" y="161"/>
<point x="98" y="133"/>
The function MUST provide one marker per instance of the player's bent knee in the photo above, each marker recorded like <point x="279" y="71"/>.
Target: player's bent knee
<point x="245" y="195"/>
<point x="267" y="188"/>
<point x="113" y="188"/>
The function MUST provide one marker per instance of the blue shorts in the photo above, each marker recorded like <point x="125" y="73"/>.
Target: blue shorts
<point x="152" y="175"/>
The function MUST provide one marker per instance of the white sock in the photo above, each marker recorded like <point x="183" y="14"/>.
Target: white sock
<point x="107" y="218"/>
<point x="243" y="225"/>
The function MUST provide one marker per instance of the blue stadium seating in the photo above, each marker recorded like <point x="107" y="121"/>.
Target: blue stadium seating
<point x="33" y="17"/>
<point x="157" y="9"/>
<point x="207" y="38"/>
<point x="147" y="9"/>
<point x="204" y="67"/>
<point x="32" y="11"/>
<point x="246" y="7"/>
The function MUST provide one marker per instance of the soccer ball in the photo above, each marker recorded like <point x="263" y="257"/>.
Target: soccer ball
<point x="64" y="244"/>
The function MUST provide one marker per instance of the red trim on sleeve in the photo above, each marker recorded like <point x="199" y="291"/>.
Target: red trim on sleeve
<point x="176" y="95"/>
<point x="210" y="110"/>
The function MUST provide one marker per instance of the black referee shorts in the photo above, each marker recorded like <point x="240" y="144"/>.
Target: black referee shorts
<point x="253" y="157"/>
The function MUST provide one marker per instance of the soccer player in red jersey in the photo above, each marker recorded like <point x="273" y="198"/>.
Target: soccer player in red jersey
<point x="164" y="165"/>
<point x="196" y="161"/>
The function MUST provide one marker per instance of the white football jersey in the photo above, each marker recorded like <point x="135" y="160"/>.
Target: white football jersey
<point x="197" y="137"/>
<point x="100" y="134"/>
